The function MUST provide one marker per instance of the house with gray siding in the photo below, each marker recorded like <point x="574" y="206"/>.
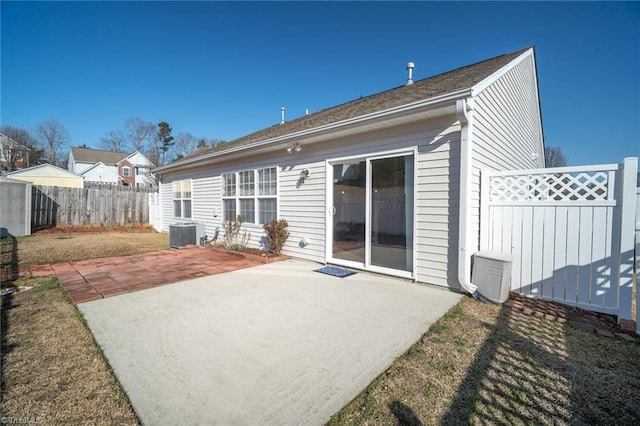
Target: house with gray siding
<point x="387" y="183"/>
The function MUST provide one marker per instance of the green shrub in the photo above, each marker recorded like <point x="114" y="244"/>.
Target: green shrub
<point x="277" y="234"/>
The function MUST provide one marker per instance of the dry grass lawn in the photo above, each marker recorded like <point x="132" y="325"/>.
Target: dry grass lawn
<point x="54" y="248"/>
<point x="52" y="370"/>
<point x="485" y="364"/>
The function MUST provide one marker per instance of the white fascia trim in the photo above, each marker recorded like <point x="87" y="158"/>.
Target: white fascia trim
<point x="40" y="166"/>
<point x="479" y="87"/>
<point x="327" y="127"/>
<point x="91" y="168"/>
<point x="464" y="112"/>
<point x="134" y="153"/>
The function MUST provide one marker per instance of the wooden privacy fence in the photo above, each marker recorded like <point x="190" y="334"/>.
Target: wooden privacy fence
<point x="54" y="205"/>
<point x="570" y="231"/>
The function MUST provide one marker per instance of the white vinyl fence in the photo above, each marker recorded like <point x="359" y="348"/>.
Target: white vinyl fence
<point x="155" y="214"/>
<point x="570" y="231"/>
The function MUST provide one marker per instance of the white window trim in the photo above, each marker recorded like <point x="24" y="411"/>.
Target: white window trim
<point x="128" y="169"/>
<point x="173" y="198"/>
<point x="255" y="197"/>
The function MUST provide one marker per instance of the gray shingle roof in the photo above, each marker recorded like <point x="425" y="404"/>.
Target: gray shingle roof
<point x="87" y="155"/>
<point x="448" y="82"/>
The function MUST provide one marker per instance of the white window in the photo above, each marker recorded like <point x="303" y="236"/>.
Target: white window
<point x="126" y="171"/>
<point x="251" y="194"/>
<point x="182" y="199"/>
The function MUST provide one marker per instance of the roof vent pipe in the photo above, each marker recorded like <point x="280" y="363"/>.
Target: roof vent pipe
<point x="282" y="110"/>
<point x="410" y="67"/>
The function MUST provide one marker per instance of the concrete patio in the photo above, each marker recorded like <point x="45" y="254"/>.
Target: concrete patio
<point x="274" y="344"/>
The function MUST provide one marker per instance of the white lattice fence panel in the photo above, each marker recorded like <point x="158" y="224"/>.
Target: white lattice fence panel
<point x="568" y="186"/>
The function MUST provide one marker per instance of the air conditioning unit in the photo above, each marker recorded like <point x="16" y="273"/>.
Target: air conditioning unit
<point x="492" y="275"/>
<point x="184" y="233"/>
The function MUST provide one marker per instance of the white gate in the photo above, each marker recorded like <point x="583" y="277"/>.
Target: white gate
<point x="155" y="215"/>
<point x="570" y="231"/>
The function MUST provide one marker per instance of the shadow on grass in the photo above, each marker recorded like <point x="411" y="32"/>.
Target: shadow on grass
<point x="8" y="257"/>
<point x="8" y="274"/>
<point x="404" y="415"/>
<point x="534" y="370"/>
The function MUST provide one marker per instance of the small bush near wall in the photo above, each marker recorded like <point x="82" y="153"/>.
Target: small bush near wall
<point x="235" y="238"/>
<point x="277" y="234"/>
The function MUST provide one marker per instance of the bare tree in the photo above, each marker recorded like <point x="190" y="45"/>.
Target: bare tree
<point x="553" y="157"/>
<point x="113" y="140"/>
<point x="186" y="143"/>
<point x="15" y="140"/>
<point x="153" y="154"/>
<point x="140" y="134"/>
<point x="216" y="141"/>
<point x="54" y="138"/>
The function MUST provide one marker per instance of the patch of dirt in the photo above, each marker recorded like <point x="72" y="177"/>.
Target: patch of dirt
<point x="97" y="228"/>
<point x="257" y="252"/>
<point x="250" y="251"/>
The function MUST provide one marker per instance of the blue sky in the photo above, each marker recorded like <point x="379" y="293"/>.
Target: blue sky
<point x="224" y="69"/>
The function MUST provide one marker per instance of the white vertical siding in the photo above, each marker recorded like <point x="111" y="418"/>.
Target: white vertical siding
<point x="302" y="204"/>
<point x="166" y="207"/>
<point x="507" y="130"/>
<point x="438" y="179"/>
<point x="206" y="204"/>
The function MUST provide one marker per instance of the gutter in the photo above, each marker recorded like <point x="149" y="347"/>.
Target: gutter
<point x="324" y="128"/>
<point x="464" y="112"/>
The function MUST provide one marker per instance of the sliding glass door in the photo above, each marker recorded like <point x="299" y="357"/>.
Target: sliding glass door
<point x="392" y="212"/>
<point x="372" y="213"/>
<point x="349" y="211"/>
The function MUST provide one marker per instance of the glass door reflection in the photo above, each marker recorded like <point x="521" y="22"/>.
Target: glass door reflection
<point x="392" y="213"/>
<point x="349" y="215"/>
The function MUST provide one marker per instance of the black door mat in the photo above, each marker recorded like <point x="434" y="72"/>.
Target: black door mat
<point x="336" y="272"/>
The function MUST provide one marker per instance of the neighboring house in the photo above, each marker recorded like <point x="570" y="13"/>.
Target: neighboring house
<point x="47" y="175"/>
<point x="115" y="168"/>
<point x="13" y="155"/>
<point x="102" y="173"/>
<point x="387" y="183"/>
<point x="135" y="170"/>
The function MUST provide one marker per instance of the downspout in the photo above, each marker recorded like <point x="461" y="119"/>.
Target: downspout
<point x="464" y="112"/>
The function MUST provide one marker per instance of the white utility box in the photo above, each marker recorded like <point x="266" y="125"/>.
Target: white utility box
<point x="492" y="275"/>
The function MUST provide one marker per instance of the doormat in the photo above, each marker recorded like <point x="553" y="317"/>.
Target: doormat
<point x="336" y="272"/>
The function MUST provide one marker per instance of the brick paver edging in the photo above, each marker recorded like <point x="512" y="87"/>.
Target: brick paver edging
<point x="591" y="322"/>
<point x="94" y="279"/>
